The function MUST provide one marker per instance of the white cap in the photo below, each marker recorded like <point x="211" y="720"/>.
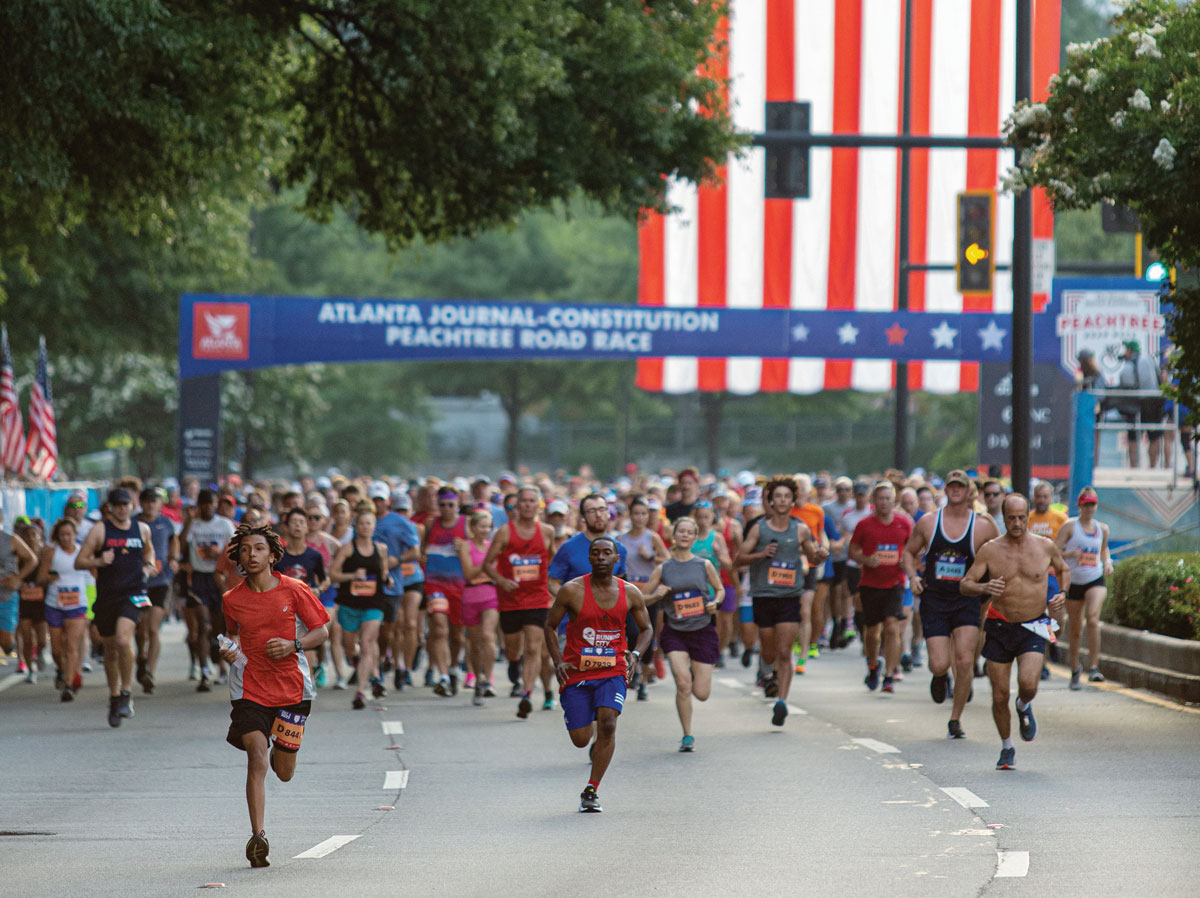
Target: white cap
<point x="745" y="478"/>
<point x="324" y="483"/>
<point x="558" y="506"/>
<point x="379" y="490"/>
<point x="462" y="484"/>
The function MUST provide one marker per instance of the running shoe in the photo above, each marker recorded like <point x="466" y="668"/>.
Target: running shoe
<point x="87" y="666"/>
<point x="747" y="657"/>
<point x="319" y="679"/>
<point x="31" y="677"/>
<point x="67" y="695"/>
<point x="733" y="652"/>
<point x="339" y="683"/>
<point x="524" y="707"/>
<point x="687" y="743"/>
<point x="442" y="688"/>
<point x="353" y="681"/>
<point x="1045" y="672"/>
<point x="800" y="665"/>
<point x="141" y="670"/>
<point x="848" y="636"/>
<point x="398" y="679"/>
<point x="454" y="684"/>
<point x="1075" y="675"/>
<point x="114" y="711"/>
<point x="22" y="668"/>
<point x="939" y="686"/>
<point x="589" y="801"/>
<point x="469" y="681"/>
<point x="814" y="651"/>
<point x="1008" y="759"/>
<point x="916" y="656"/>
<point x="1094" y="675"/>
<point x="872" y="678"/>
<point x="477" y="700"/>
<point x="906" y="664"/>
<point x="642" y="694"/>
<point x="147" y="682"/>
<point x="256" y="850"/>
<point x="359" y="701"/>
<point x="779" y="713"/>
<point x="429" y="676"/>
<point x="889" y="685"/>
<point x="203" y="686"/>
<point x="515" y="692"/>
<point x="954" y="730"/>
<point x="488" y="691"/>
<point x="60" y="681"/>
<point x="548" y="702"/>
<point x="770" y="686"/>
<point x="1028" y="723"/>
<point x="377" y="690"/>
<point x="220" y="679"/>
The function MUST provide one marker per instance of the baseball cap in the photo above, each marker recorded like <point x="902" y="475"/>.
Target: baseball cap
<point x="861" y="487"/>
<point x="324" y="483"/>
<point x="482" y="478"/>
<point x="119" y="496"/>
<point x="461" y="484"/>
<point x="843" y="483"/>
<point x="558" y="506"/>
<point x="744" y="478"/>
<point x="958" y="476"/>
<point x="1132" y="345"/>
<point x="507" y="477"/>
<point x="401" y="500"/>
<point x="820" y="480"/>
<point x="379" y="490"/>
<point x="170" y="484"/>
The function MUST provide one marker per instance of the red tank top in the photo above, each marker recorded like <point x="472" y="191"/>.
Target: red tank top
<point x="596" y="637"/>
<point x="528" y="562"/>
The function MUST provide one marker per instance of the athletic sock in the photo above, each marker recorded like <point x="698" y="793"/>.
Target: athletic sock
<point x="1006" y="743"/>
<point x="1021" y="706"/>
<point x="594" y="785"/>
<point x="527" y="693"/>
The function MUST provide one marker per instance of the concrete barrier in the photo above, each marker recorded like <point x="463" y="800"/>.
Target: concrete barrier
<point x="1146" y="660"/>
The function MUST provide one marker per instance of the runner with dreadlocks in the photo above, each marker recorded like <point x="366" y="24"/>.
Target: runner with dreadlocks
<point x="272" y="620"/>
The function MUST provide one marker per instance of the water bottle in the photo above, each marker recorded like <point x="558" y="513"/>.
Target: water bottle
<point x="226" y="643"/>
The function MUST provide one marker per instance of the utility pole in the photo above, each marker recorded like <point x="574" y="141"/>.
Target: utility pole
<point x="900" y="433"/>
<point x="1022" y="280"/>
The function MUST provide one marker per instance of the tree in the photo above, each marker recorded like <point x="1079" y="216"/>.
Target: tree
<point x="1120" y="126"/>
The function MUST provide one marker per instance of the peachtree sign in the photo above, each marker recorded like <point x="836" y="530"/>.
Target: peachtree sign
<point x="220" y="333"/>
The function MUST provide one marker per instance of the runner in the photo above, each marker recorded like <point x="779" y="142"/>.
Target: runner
<point x="690" y="585"/>
<point x="689" y="492"/>
<point x="1017" y="627"/>
<point x="595" y="667"/>
<point x="443" y="589"/>
<point x="360" y="570"/>
<point x="1046" y="521"/>
<point x="710" y="545"/>
<point x="1084" y="544"/>
<point x="518" y="561"/>
<point x="327" y="546"/>
<point x="644" y="551"/>
<point x="206" y="534"/>
<point x="772" y="549"/>
<point x="272" y="620"/>
<point x="850" y="519"/>
<point x="400" y="537"/>
<point x="412" y="578"/>
<point x="731" y="531"/>
<point x="950" y="619"/>
<point x="814" y="516"/>
<point x="31" y="633"/>
<point x="121" y="553"/>
<point x="158" y="587"/>
<point x="341" y="527"/>
<point x="17" y="562"/>
<point x="300" y="561"/>
<point x="66" y="605"/>
<point x="876" y="545"/>
<point x="479" y="605"/>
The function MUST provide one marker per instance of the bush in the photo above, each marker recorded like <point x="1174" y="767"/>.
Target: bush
<point x="1159" y="593"/>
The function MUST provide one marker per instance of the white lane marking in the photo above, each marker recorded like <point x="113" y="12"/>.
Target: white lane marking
<point x="730" y="682"/>
<point x="881" y="748"/>
<point x="792" y="709"/>
<point x="392" y="727"/>
<point x="11" y="680"/>
<point x="1012" y="863"/>
<point x="329" y="846"/>
<point x="396" y="779"/>
<point x="965" y="797"/>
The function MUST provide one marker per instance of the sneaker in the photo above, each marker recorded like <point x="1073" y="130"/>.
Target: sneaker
<point x="800" y="666"/>
<point x="872" y="677"/>
<point x="747" y="657"/>
<point x="516" y="691"/>
<point x="87" y="666"/>
<point x="340" y="683"/>
<point x="319" y="679"/>
<point x="1075" y="674"/>
<point x="642" y="695"/>
<point x="906" y="664"/>
<point x="67" y="695"/>
<point x="524" y="707"/>
<point x="488" y="691"/>
<point x="203" y="686"/>
<point x="916" y="656"/>
<point x="469" y="681"/>
<point x="770" y="686"/>
<point x="205" y="673"/>
<point x="220" y="679"/>
<point x="31" y="677"/>
<point x="1045" y="672"/>
<point x="1094" y="675"/>
<point x="589" y="801"/>
<point x="147" y="682"/>
<point x="408" y="678"/>
<point x="687" y="743"/>
<point x="889" y="684"/>
<point x="779" y="713"/>
<point x="954" y="730"/>
<point x="429" y="677"/>
<point x="114" y="710"/>
<point x="939" y="686"/>
<point x="377" y="690"/>
<point x="60" y="681"/>
<point x="256" y="850"/>
<point x="733" y="652"/>
<point x="125" y="704"/>
<point x="814" y="651"/>
<point x="848" y="636"/>
<point x="1008" y="759"/>
<point x="454" y="684"/>
<point x="22" y="668"/>
<point x="442" y="688"/>
<point x="548" y="702"/>
<point x="477" y="700"/>
<point x="359" y="701"/>
<point x="1028" y="723"/>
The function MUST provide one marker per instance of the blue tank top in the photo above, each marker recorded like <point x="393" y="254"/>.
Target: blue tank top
<point x="124" y="577"/>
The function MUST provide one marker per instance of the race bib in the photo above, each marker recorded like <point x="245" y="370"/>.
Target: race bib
<point x="688" y="603"/>
<point x="408" y="569"/>
<point x="526" y="568"/>
<point x="140" y="601"/>
<point x="32" y="593"/>
<point x="597" y="658"/>
<point x="1089" y="559"/>
<point x="208" y="551"/>
<point x="69" y="597"/>
<point x="1043" y="627"/>
<point x="158" y="565"/>
<point x="288" y="729"/>
<point x="950" y="567"/>
<point x="362" y="587"/>
<point x="781" y="573"/>
<point x="437" y="603"/>
<point x="888" y="553"/>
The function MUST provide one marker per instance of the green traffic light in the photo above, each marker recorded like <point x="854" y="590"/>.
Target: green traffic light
<point x="1156" y="271"/>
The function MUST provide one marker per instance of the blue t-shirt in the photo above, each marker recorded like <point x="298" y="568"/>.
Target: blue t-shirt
<point x="161" y="531"/>
<point x="308" y="567"/>
<point x="399" y="535"/>
<point x="572" y="561"/>
<point x="831" y="530"/>
<point x="499" y="516"/>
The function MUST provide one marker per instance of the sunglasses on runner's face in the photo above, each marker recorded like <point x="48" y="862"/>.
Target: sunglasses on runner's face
<point x="76" y="505"/>
<point x="990" y="495"/>
<point x="447" y="504"/>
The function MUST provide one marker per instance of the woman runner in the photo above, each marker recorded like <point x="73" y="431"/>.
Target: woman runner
<point x="360" y="568"/>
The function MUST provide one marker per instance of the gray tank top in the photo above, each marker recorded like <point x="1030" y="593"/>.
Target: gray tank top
<point x="8" y="558"/>
<point x="637" y="567"/>
<point x="689" y="592"/>
<point x="782" y="575"/>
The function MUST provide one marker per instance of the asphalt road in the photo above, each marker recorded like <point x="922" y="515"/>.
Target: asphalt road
<point x="850" y="796"/>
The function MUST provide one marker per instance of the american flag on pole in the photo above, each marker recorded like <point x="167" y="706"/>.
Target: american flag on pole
<point x="729" y="246"/>
<point x="43" y="437"/>
<point x="12" y="429"/>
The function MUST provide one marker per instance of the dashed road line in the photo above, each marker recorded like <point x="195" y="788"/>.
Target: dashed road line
<point x="881" y="748"/>
<point x="396" y="779"/>
<point x="329" y="846"/>
<point x="793" y="709"/>
<point x="965" y="797"/>
<point x="392" y="727"/>
<point x="1011" y="863"/>
<point x="731" y="682"/>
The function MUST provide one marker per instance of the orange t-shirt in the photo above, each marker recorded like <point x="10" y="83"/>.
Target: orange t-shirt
<point x="813" y="516"/>
<point x="288" y="611"/>
<point x="1046" y="523"/>
<point x="233" y="577"/>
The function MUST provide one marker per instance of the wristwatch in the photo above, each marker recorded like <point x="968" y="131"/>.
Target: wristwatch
<point x="299" y="648"/>
<point x="636" y="654"/>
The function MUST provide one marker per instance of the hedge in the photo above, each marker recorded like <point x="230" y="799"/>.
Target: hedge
<point x="1159" y="593"/>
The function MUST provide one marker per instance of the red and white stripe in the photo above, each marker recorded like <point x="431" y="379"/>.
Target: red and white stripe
<point x="12" y="429"/>
<point x="729" y="246"/>
<point x="43" y="433"/>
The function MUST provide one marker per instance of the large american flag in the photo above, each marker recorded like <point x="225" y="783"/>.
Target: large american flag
<point x="12" y="429"/>
<point x="43" y="436"/>
<point x="729" y="246"/>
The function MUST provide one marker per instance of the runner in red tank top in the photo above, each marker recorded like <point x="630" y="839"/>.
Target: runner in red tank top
<point x="596" y="666"/>
<point x="518" y="560"/>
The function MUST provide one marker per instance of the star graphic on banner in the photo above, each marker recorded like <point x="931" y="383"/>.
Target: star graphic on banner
<point x="992" y="336"/>
<point x="943" y="336"/>
<point x="800" y="333"/>
<point x="847" y="333"/>
<point x="896" y="335"/>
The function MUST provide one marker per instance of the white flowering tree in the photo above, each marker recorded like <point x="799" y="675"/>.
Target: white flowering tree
<point x="1122" y="125"/>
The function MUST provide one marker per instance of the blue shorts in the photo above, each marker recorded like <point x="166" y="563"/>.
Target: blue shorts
<point x="1052" y="588"/>
<point x="580" y="700"/>
<point x="908" y="597"/>
<point x="350" y="619"/>
<point x="746" y="614"/>
<point x="940" y="619"/>
<point x="8" y="613"/>
<point x="329" y="597"/>
<point x="56" y="616"/>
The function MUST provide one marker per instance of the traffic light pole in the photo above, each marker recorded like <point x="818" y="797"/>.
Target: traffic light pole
<point x="1022" y="280"/>
<point x="900" y="422"/>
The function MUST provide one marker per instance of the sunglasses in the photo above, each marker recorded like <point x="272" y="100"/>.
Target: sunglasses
<point x="447" y="504"/>
<point x="992" y="495"/>
<point x="76" y="505"/>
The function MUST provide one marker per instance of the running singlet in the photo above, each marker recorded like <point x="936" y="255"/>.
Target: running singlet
<point x="161" y="531"/>
<point x="637" y="567"/>
<point x="526" y="561"/>
<point x="481" y="589"/>
<point x="1086" y="567"/>
<point x="887" y="542"/>
<point x="782" y="575"/>
<point x="689" y="591"/>
<point x="69" y="591"/>
<point x="596" y="637"/>
<point x="946" y="563"/>
<point x="367" y="594"/>
<point x="124" y="577"/>
<point x="443" y="570"/>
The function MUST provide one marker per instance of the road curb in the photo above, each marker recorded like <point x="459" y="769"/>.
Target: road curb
<point x="1147" y="660"/>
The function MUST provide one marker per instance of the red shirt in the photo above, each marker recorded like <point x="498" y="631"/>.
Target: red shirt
<point x="288" y="611"/>
<point x="596" y="637"/>
<point x="527" y="561"/>
<point x="873" y="536"/>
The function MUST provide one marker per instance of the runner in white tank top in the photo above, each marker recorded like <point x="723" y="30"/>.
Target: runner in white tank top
<point x="1084" y="544"/>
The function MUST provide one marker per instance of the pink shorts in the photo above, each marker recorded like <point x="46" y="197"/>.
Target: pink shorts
<point x="475" y="601"/>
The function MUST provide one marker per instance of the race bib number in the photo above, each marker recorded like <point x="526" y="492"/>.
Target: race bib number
<point x="408" y="569"/>
<point x="526" y="568"/>
<point x="950" y="567"/>
<point x="288" y="729"/>
<point x="437" y="603"/>
<point x="32" y="593"/>
<point x="1043" y="627"/>
<point x="1089" y="559"/>
<point x="208" y="551"/>
<point x="781" y="573"/>
<point x="69" y="597"/>
<point x="140" y="601"/>
<point x="888" y="553"/>
<point x="597" y="657"/>
<point x="688" y="603"/>
<point x="362" y="587"/>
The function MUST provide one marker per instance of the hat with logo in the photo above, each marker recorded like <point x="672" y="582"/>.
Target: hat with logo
<point x="958" y="476"/>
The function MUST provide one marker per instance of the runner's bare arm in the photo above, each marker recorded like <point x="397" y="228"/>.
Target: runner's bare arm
<point x="661" y="552"/>
<point x="1063" y="572"/>
<point x="912" y="551"/>
<point x="718" y="588"/>
<point x="46" y="576"/>
<point x="87" y="559"/>
<point x="149" y="564"/>
<point x="744" y="555"/>
<point x="335" y="566"/>
<point x="654" y="586"/>
<point x="637" y="607"/>
<point x="971" y="584"/>
<point x="985" y="529"/>
<point x="1060" y="539"/>
<point x="498" y="545"/>
<point x="813" y="550"/>
<point x="722" y="552"/>
<point x="1104" y="556"/>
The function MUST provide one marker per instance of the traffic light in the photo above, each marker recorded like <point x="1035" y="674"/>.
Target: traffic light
<point x="787" y="166"/>
<point x="975" y="265"/>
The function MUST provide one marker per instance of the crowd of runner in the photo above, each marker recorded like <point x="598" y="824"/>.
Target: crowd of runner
<point x="361" y="586"/>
